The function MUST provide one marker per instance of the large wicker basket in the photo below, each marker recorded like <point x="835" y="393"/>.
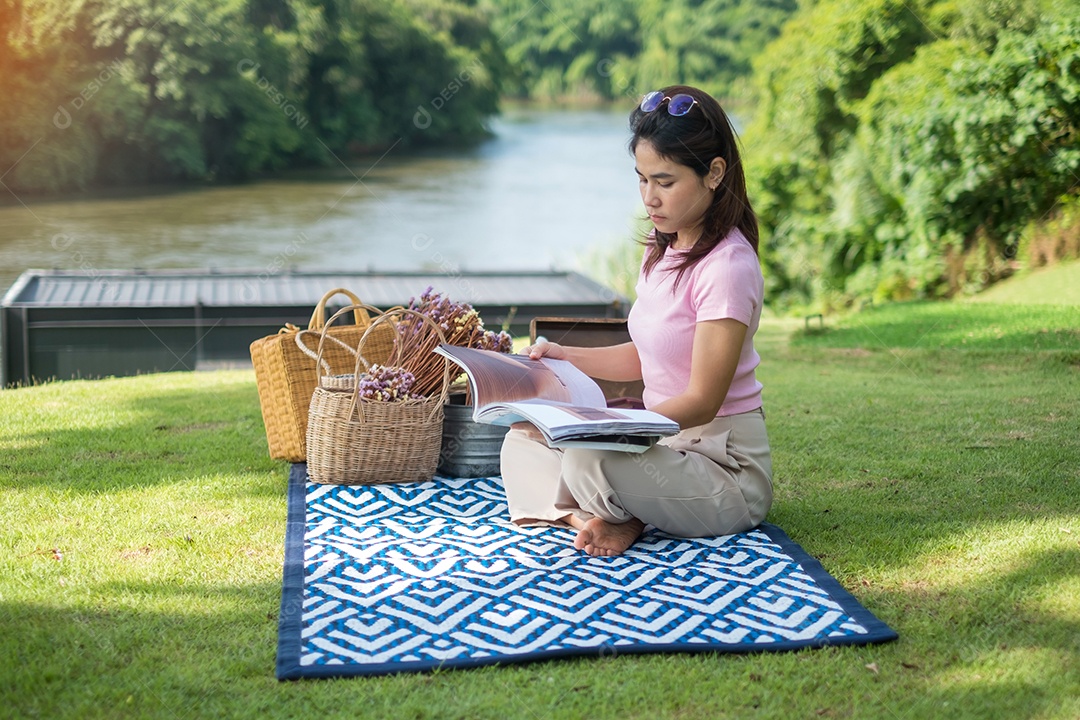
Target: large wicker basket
<point x="357" y="441"/>
<point x="286" y="373"/>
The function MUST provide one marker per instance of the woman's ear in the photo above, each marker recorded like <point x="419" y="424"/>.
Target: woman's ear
<point x="717" y="168"/>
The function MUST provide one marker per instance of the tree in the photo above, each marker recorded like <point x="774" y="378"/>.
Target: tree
<point x="145" y="90"/>
<point x="899" y="151"/>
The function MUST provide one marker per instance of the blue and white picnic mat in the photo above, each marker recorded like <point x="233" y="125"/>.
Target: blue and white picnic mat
<point x="411" y="577"/>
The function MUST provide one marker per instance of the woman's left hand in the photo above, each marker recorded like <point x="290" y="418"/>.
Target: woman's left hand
<point x="530" y="430"/>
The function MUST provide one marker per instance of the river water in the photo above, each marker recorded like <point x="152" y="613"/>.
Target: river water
<point x="551" y="190"/>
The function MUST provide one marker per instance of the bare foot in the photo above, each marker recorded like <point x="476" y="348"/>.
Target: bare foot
<point x="600" y="538"/>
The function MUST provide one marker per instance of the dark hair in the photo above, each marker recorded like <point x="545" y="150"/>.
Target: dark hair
<point x="694" y="140"/>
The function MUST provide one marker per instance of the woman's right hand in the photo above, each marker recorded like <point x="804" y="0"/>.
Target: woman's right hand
<point x="543" y="348"/>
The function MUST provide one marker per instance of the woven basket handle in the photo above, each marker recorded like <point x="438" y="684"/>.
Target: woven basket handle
<point x="324" y="335"/>
<point x="391" y="316"/>
<point x="360" y="314"/>
<point x="317" y="356"/>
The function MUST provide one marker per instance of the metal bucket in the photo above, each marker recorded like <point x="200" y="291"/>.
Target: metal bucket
<point x="469" y="449"/>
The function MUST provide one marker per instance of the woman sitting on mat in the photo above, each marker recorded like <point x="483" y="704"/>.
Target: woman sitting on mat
<point x="699" y="296"/>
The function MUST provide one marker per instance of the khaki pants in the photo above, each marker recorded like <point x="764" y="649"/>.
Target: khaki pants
<point x="714" y="479"/>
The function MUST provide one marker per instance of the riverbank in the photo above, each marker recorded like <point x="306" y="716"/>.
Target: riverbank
<point x="508" y="204"/>
<point x="362" y="155"/>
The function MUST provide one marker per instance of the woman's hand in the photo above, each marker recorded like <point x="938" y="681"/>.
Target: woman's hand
<point x="619" y="363"/>
<point x="543" y="348"/>
<point x="530" y="431"/>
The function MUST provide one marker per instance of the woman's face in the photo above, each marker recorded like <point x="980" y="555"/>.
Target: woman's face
<point x="675" y="197"/>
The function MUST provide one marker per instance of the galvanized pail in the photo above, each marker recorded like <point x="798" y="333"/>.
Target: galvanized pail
<point x="469" y="449"/>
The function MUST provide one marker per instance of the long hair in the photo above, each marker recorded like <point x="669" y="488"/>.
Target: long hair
<point x="694" y="140"/>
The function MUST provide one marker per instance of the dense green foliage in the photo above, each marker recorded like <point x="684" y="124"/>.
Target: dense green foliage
<point x="147" y="90"/>
<point x="153" y="90"/>
<point x="620" y="48"/>
<point x="897" y="149"/>
<point x="905" y="149"/>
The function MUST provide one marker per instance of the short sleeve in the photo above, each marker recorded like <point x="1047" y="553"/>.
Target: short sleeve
<point x="728" y="284"/>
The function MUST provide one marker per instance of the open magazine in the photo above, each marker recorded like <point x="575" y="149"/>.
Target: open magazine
<point x="561" y="401"/>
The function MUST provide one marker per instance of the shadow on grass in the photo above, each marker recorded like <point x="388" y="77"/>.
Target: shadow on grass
<point x="70" y="439"/>
<point x="208" y="650"/>
<point x="1011" y="658"/>
<point x="211" y="659"/>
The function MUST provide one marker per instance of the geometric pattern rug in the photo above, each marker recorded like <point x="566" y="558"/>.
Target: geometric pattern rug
<point x="417" y="576"/>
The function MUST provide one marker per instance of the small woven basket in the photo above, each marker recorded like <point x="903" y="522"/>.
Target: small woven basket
<point x="286" y="373"/>
<point x="356" y="441"/>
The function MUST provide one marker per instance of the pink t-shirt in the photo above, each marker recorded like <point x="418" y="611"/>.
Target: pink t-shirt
<point x="726" y="283"/>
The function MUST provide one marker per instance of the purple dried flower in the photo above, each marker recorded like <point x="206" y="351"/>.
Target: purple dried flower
<point x="387" y="384"/>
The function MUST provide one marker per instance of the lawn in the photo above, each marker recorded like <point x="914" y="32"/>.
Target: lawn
<point x="931" y="463"/>
<point x="994" y="328"/>
<point x="1059" y="282"/>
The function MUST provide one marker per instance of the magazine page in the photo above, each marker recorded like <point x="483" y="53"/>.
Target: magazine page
<point x="499" y="377"/>
<point x="559" y="420"/>
<point x="561" y="423"/>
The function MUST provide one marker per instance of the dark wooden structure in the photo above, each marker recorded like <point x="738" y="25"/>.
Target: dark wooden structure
<point x="74" y="324"/>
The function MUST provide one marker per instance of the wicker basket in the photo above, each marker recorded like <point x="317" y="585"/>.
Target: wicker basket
<point x="338" y="382"/>
<point x="286" y="375"/>
<point x="356" y="441"/>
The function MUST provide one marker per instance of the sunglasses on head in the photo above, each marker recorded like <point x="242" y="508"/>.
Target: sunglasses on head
<point x="678" y="105"/>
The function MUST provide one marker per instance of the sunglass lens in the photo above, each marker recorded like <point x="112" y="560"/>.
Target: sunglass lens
<point x="680" y="105"/>
<point x="652" y="101"/>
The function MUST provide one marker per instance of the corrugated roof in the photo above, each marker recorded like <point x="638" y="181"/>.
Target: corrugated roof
<point x="185" y="288"/>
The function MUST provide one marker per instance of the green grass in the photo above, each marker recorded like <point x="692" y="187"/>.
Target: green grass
<point x="937" y="479"/>
<point x="1058" y="283"/>
<point x="954" y="326"/>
